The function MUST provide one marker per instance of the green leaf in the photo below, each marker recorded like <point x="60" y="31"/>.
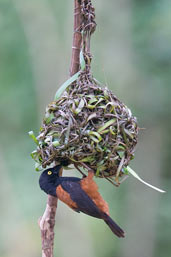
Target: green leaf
<point x="95" y="136"/>
<point x="92" y="100"/>
<point x="120" y="148"/>
<point x="38" y="167"/>
<point x="111" y="131"/>
<point x="94" y="139"/>
<point x="125" y="171"/>
<point x="86" y="159"/>
<point x="55" y="143"/>
<point x="97" y="172"/>
<point x="99" y="148"/>
<point x="133" y="173"/>
<point x="104" y="131"/>
<point x="82" y="61"/>
<point x="92" y="106"/>
<point x="34" y="155"/>
<point x="31" y="134"/>
<point x="70" y="80"/>
<point x="129" y="134"/>
<point x="107" y="124"/>
<point x="80" y="106"/>
<point x="53" y="133"/>
<point x="49" y="117"/>
<point x="121" y="153"/>
<point x="37" y="158"/>
<point x="65" y="85"/>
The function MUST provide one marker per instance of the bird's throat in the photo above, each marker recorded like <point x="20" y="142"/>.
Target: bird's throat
<point x="49" y="187"/>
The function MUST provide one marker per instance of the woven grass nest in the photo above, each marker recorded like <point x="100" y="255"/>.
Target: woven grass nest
<point x="88" y="126"/>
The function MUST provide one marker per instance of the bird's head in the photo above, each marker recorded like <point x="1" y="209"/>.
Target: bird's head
<point x="49" y="178"/>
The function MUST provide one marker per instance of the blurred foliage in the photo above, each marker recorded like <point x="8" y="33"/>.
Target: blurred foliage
<point x="132" y="55"/>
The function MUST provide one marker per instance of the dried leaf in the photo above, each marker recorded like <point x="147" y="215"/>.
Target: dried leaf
<point x="91" y="116"/>
<point x="133" y="173"/>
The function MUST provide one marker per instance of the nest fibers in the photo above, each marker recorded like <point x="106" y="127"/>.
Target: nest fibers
<point x="88" y="126"/>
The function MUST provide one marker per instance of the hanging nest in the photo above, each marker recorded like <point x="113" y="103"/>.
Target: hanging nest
<point x="88" y="126"/>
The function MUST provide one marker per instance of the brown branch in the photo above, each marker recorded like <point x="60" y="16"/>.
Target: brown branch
<point x="47" y="221"/>
<point x="46" y="224"/>
<point x="77" y="39"/>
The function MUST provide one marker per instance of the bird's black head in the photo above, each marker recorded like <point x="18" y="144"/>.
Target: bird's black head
<point x="49" y="179"/>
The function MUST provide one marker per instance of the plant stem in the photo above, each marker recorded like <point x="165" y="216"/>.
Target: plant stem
<point x="47" y="221"/>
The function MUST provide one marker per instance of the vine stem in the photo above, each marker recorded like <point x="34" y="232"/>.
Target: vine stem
<point x="47" y="221"/>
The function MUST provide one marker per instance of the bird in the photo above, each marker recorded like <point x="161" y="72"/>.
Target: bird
<point x="80" y="194"/>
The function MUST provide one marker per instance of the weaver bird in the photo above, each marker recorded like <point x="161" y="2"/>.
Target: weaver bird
<point x="81" y="195"/>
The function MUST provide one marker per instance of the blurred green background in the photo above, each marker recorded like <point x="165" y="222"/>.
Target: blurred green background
<point x="132" y="56"/>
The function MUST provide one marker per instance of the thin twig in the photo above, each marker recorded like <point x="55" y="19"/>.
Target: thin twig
<point x="76" y="166"/>
<point x="86" y="166"/>
<point x="113" y="183"/>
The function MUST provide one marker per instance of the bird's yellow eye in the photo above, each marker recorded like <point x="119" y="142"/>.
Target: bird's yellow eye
<point x="49" y="172"/>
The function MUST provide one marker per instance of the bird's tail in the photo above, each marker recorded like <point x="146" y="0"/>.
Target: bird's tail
<point x="113" y="226"/>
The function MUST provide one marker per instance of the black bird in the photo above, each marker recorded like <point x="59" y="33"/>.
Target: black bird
<point x="79" y="194"/>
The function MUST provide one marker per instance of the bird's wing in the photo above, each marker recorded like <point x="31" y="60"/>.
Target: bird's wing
<point x="90" y="187"/>
<point x="72" y="194"/>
